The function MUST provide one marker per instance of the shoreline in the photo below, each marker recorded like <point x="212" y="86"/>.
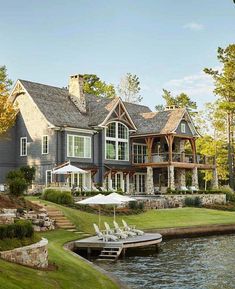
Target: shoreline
<point x="167" y="234"/>
<point x="194" y="231"/>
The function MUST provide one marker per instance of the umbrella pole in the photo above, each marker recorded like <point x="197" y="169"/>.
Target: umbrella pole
<point x="99" y="216"/>
<point x="114" y="213"/>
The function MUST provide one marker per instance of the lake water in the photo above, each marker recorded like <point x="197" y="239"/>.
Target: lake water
<point x="207" y="263"/>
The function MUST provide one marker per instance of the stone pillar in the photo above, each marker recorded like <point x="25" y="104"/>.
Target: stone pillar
<point x="195" y="178"/>
<point x="182" y="150"/>
<point x="171" y="177"/>
<point x="215" y="183"/>
<point x="149" y="185"/>
<point x="180" y="178"/>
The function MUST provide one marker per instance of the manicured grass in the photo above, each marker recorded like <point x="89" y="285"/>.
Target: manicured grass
<point x="153" y="219"/>
<point x="72" y="272"/>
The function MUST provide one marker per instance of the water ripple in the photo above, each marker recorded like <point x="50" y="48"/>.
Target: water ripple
<point x="204" y="263"/>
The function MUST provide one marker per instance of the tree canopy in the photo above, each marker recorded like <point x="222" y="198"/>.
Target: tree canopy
<point x="94" y="85"/>
<point x="7" y="111"/>
<point x="129" y="88"/>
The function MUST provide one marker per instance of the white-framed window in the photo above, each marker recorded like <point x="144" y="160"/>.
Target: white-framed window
<point x="48" y="177"/>
<point x="117" y="142"/>
<point x="183" y="127"/>
<point x="23" y="146"/>
<point x="45" y="144"/>
<point x="78" y="146"/>
<point x="140" y="152"/>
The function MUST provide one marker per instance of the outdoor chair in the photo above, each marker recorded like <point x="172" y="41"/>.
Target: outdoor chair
<point x="183" y="188"/>
<point x="119" y="233"/>
<point x="85" y="189"/>
<point x="118" y="229"/>
<point x="104" y="237"/>
<point x="93" y="188"/>
<point x="130" y="233"/>
<point x="193" y="189"/>
<point x="132" y="229"/>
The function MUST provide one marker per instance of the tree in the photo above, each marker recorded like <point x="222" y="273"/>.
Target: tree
<point x="7" y="111"/>
<point x="181" y="100"/>
<point x="224" y="81"/>
<point x="129" y="88"/>
<point x="94" y="85"/>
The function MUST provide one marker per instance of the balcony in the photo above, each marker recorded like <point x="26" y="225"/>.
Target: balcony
<point x="178" y="160"/>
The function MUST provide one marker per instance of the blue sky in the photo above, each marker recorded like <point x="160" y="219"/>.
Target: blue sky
<point x="166" y="43"/>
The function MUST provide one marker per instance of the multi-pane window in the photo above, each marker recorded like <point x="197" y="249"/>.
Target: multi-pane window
<point x="117" y="142"/>
<point x="45" y="145"/>
<point x="23" y="146"/>
<point x="183" y="128"/>
<point x="140" y="151"/>
<point x="78" y="146"/>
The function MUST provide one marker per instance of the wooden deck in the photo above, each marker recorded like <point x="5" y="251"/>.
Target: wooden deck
<point x="112" y="250"/>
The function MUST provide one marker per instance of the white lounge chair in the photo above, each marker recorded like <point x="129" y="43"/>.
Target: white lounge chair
<point x="126" y="231"/>
<point x="132" y="229"/>
<point x="193" y="189"/>
<point x="85" y="189"/>
<point x="118" y="233"/>
<point x="93" y="188"/>
<point x="119" y="230"/>
<point x="104" y="237"/>
<point x="183" y="188"/>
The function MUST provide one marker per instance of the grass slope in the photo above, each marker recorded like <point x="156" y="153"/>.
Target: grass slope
<point x="153" y="219"/>
<point x="72" y="272"/>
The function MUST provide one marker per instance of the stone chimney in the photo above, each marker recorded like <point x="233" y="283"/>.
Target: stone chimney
<point x="76" y="92"/>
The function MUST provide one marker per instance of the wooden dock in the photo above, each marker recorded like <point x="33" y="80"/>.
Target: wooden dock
<point x="112" y="250"/>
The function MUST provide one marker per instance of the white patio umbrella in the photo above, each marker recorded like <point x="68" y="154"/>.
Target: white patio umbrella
<point x="98" y="200"/>
<point x="117" y="199"/>
<point x="68" y="169"/>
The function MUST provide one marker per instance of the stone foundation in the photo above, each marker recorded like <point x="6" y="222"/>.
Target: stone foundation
<point x="177" y="201"/>
<point x="35" y="255"/>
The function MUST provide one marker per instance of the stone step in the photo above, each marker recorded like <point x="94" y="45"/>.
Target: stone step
<point x="67" y="227"/>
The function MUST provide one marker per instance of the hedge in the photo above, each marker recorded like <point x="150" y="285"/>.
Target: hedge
<point x="20" y="229"/>
<point x="59" y="197"/>
<point x="94" y="193"/>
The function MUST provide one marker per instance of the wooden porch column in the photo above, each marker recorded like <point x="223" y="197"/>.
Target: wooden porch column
<point x="170" y="139"/>
<point x="193" y="146"/>
<point x="149" y="143"/>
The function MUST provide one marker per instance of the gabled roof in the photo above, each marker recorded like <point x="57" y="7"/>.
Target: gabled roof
<point x="58" y="108"/>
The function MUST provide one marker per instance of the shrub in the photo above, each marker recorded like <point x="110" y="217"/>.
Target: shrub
<point x="28" y="173"/>
<point x="133" y="205"/>
<point x="193" y="202"/>
<point x="59" y="197"/>
<point x="17" y="186"/>
<point x="20" y="229"/>
<point x="14" y="174"/>
<point x="230" y="195"/>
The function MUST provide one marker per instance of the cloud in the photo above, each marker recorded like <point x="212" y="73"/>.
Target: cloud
<point x="194" y="26"/>
<point x="198" y="86"/>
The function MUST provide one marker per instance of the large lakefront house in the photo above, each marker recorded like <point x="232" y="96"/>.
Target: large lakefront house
<point x="121" y="145"/>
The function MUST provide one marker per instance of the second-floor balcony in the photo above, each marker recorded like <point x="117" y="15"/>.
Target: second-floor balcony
<point x="158" y="159"/>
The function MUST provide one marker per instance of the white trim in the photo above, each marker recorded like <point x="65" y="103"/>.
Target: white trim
<point x="21" y="146"/>
<point x="119" y="100"/>
<point x="46" y="177"/>
<point x="80" y="136"/>
<point x="117" y="140"/>
<point x="73" y="129"/>
<point x="47" y="144"/>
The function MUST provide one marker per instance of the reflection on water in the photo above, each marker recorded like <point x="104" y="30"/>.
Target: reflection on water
<point x="207" y="263"/>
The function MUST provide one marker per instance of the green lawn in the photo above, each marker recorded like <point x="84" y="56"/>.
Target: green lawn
<point x="153" y="219"/>
<point x="72" y="272"/>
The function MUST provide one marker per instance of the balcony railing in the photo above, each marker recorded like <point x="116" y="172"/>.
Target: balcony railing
<point x="176" y="157"/>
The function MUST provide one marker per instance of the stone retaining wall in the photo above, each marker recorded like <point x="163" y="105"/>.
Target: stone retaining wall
<point x="35" y="255"/>
<point x="176" y="201"/>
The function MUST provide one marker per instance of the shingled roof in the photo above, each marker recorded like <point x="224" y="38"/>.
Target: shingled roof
<point x="58" y="108"/>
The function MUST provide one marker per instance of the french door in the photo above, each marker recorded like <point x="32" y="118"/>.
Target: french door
<point x="140" y="183"/>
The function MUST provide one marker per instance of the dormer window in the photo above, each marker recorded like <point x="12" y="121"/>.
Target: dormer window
<point x="183" y="127"/>
<point x="117" y="142"/>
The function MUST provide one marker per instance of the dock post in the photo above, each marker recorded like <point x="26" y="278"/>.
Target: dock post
<point x="124" y="252"/>
<point x="88" y="252"/>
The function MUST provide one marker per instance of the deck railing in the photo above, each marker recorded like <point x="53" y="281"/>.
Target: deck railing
<point x="176" y="157"/>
